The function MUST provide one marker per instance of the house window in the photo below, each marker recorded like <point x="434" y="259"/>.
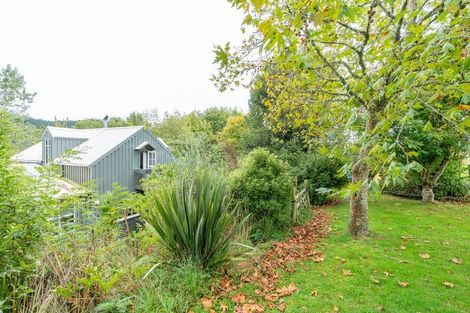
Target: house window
<point x="48" y="151"/>
<point x="152" y="159"/>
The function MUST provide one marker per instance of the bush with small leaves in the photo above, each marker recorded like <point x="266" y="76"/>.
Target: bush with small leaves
<point x="264" y="186"/>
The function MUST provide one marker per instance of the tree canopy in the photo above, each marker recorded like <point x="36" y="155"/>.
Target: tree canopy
<point x="353" y="67"/>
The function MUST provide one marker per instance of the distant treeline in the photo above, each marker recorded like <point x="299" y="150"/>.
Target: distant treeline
<point x="38" y="122"/>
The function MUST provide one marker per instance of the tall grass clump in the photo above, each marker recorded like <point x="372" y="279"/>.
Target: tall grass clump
<point x="190" y="216"/>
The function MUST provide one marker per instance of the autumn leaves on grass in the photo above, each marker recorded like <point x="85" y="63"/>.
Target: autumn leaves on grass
<point x="263" y="274"/>
<point x="426" y="256"/>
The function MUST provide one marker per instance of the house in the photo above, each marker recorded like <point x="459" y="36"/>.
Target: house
<point x="122" y="155"/>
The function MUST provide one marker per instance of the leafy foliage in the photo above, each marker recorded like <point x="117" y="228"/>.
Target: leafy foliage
<point x="321" y="171"/>
<point x="430" y="141"/>
<point x="190" y="217"/>
<point x="217" y="117"/>
<point x="13" y="95"/>
<point x="454" y="184"/>
<point x="264" y="186"/>
<point x="359" y="65"/>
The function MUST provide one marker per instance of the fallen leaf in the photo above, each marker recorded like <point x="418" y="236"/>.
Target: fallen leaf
<point x="403" y="284"/>
<point x="347" y="273"/>
<point x="225" y="283"/>
<point x="314" y="293"/>
<point x="251" y="307"/>
<point x="335" y="309"/>
<point x="206" y="303"/>
<point x="388" y="274"/>
<point x="239" y="298"/>
<point x="319" y="258"/>
<point x="402" y="247"/>
<point x="447" y="284"/>
<point x="272" y="297"/>
<point x="457" y="261"/>
<point x="380" y="308"/>
<point x="224" y="307"/>
<point x="375" y="281"/>
<point x="281" y="307"/>
<point x="287" y="290"/>
<point x="424" y="255"/>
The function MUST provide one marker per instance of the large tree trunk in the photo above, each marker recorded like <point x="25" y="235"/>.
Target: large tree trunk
<point x="427" y="194"/>
<point x="358" y="216"/>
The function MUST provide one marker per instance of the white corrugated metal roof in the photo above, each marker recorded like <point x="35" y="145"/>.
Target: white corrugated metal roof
<point x="101" y="142"/>
<point x="61" y="132"/>
<point x="32" y="154"/>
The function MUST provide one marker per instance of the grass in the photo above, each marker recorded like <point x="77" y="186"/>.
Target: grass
<point x="172" y="289"/>
<point x="401" y="231"/>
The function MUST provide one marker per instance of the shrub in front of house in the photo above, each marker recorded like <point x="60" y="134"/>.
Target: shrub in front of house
<point x="263" y="186"/>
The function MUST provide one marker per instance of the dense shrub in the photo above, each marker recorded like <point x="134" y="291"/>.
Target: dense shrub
<point x="189" y="214"/>
<point x="82" y="265"/>
<point x="22" y="221"/>
<point x="263" y="185"/>
<point x="321" y="171"/>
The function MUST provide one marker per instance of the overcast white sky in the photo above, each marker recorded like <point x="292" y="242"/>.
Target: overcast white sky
<point x="89" y="58"/>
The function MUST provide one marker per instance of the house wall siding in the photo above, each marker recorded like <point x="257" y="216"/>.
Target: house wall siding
<point x="58" y="145"/>
<point x="78" y="174"/>
<point x="118" y="165"/>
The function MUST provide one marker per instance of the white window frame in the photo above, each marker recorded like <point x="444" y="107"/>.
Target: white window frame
<point x="48" y="150"/>
<point x="151" y="159"/>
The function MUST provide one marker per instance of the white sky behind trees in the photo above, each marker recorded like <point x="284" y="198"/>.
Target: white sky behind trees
<point x="89" y="58"/>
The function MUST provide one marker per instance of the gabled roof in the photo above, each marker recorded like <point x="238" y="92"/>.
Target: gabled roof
<point x="32" y="154"/>
<point x="60" y="132"/>
<point x="100" y="142"/>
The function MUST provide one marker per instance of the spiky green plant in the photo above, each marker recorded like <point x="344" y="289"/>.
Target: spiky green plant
<point x="190" y="216"/>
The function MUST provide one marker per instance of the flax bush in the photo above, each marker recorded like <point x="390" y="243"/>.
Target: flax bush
<point x="189" y="215"/>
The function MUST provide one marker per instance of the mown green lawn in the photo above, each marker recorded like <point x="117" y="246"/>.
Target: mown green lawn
<point x="401" y="231"/>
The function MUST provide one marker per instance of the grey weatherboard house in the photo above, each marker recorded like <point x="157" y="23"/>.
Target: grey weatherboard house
<point x="122" y="155"/>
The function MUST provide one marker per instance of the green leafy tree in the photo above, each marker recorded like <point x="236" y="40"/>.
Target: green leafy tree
<point x="217" y="117"/>
<point x="352" y="67"/>
<point x="13" y="95"/>
<point x="258" y="134"/>
<point x="15" y="100"/>
<point x="432" y="143"/>
<point x="117" y="122"/>
<point x="136" y="119"/>
<point x="89" y="123"/>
